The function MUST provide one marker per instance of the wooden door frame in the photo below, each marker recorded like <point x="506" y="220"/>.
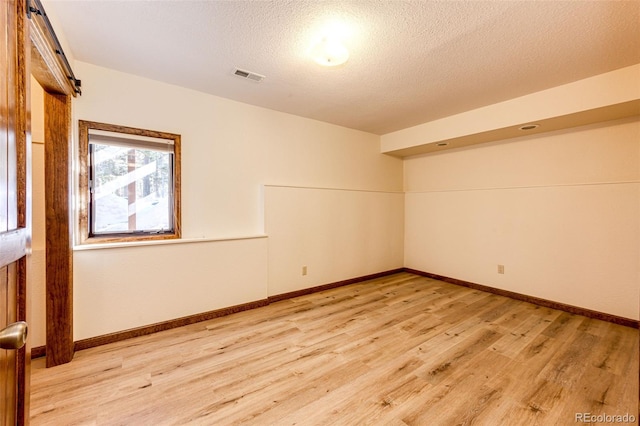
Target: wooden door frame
<point x="59" y="240"/>
<point x="50" y="68"/>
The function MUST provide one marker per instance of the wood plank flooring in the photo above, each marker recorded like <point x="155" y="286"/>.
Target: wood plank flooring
<point x="398" y="350"/>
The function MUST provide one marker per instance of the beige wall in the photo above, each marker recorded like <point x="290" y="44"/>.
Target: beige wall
<point x="230" y="151"/>
<point x="122" y="287"/>
<point x="335" y="233"/>
<point x="559" y="210"/>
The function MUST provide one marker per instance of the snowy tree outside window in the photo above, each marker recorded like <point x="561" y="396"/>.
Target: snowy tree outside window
<point x="131" y="180"/>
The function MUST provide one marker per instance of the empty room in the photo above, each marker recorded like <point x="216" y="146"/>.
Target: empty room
<point x="320" y="212"/>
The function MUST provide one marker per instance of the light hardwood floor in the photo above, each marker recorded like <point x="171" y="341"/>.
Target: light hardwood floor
<point x="398" y="350"/>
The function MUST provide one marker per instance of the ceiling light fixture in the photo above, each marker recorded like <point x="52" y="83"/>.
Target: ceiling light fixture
<point x="329" y="52"/>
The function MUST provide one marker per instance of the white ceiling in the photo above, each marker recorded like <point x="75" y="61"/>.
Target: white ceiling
<point x="410" y="61"/>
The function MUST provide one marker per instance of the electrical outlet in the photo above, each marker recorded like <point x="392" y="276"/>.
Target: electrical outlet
<point x="501" y="269"/>
<point x="304" y="270"/>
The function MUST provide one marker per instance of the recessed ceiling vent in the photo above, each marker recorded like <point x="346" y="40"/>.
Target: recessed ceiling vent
<point x="249" y="75"/>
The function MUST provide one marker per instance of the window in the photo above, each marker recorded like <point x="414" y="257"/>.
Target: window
<point x="129" y="184"/>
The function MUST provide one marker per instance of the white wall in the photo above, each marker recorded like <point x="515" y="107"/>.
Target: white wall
<point x="337" y="234"/>
<point x="560" y="210"/>
<point x="120" y="287"/>
<point x="230" y="151"/>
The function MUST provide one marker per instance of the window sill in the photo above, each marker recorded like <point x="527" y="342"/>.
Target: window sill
<point x="97" y="246"/>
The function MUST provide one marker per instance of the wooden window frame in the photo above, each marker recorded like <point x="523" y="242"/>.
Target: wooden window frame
<point x="84" y="199"/>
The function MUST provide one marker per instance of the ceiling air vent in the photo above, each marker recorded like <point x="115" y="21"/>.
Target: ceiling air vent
<point x="249" y="75"/>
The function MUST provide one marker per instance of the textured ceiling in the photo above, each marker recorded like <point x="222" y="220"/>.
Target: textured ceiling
<point x="410" y="61"/>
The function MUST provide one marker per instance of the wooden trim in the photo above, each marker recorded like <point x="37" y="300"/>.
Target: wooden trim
<point x="116" y="128"/>
<point x="329" y="286"/>
<point x="38" y="352"/>
<point x="23" y="132"/>
<point x="44" y="65"/>
<point x="165" y="325"/>
<point x="24" y="355"/>
<point x="627" y="322"/>
<point x="91" y="342"/>
<point x="23" y="188"/>
<point x="47" y="58"/>
<point x="83" y="197"/>
<point x="59" y="255"/>
<point x="83" y="179"/>
<point x="192" y="319"/>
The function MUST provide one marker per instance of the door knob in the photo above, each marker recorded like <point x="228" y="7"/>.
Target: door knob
<point x="14" y="336"/>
